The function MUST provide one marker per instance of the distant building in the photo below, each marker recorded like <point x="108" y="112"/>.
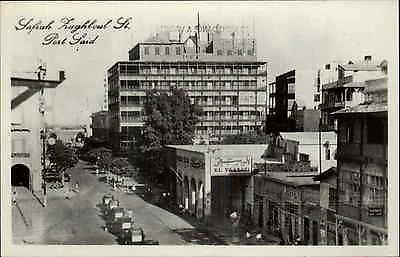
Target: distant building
<point x="67" y="134"/>
<point x="281" y="99"/>
<point x="320" y="153"/>
<point x="341" y="85"/>
<point x="307" y="120"/>
<point x="220" y="73"/>
<point x="101" y="125"/>
<point x="362" y="154"/>
<point x="30" y="116"/>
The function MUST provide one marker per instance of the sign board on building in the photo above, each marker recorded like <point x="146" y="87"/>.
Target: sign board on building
<point x="231" y="166"/>
<point x="375" y="211"/>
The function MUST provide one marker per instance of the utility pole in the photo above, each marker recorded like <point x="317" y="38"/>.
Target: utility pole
<point x="41" y="72"/>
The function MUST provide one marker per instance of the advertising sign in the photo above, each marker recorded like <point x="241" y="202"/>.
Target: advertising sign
<point x="231" y="166"/>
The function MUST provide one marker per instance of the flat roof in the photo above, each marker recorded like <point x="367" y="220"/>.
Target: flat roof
<point x="255" y="150"/>
<point x="360" y="67"/>
<point x="363" y="108"/>
<point x="310" y="138"/>
<point x="291" y="178"/>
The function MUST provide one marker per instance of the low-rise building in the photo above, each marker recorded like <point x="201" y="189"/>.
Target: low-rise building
<point x="287" y="204"/>
<point x="215" y="180"/>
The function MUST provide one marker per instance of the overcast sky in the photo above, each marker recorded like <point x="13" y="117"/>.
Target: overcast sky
<point x="290" y="35"/>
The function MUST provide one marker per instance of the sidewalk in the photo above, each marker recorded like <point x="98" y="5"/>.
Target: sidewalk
<point x="221" y="228"/>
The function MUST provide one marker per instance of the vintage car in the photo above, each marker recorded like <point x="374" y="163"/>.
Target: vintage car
<point x="135" y="236"/>
<point x="120" y="225"/>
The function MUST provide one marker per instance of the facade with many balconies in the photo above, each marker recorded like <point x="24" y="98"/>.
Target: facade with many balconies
<point x="224" y="79"/>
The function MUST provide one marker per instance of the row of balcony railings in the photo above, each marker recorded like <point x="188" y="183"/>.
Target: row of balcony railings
<point x="192" y="88"/>
<point x="202" y="118"/>
<point x="220" y="132"/>
<point x="203" y="104"/>
<point x="133" y="119"/>
<point x="213" y="118"/>
<point x="126" y="71"/>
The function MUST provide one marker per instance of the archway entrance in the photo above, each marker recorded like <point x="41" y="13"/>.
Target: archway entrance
<point x="20" y="175"/>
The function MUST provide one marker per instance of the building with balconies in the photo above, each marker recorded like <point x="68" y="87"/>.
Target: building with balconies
<point x="342" y="85"/>
<point x="222" y="76"/>
<point x="362" y="171"/>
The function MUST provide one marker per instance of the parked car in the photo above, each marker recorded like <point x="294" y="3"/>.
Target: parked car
<point x="142" y="190"/>
<point x="135" y="236"/>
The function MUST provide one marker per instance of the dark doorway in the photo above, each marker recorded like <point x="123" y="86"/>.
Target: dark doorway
<point x="261" y="214"/>
<point x="20" y="175"/>
<point x="306" y="230"/>
<point x="315" y="232"/>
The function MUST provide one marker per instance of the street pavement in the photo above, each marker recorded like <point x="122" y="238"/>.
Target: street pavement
<point x="78" y="220"/>
<point x="74" y="217"/>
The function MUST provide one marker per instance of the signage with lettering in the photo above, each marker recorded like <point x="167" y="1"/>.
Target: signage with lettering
<point x="225" y="166"/>
<point x="375" y="211"/>
<point x="20" y="155"/>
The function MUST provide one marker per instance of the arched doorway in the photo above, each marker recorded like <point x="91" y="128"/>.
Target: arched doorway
<point x="20" y="175"/>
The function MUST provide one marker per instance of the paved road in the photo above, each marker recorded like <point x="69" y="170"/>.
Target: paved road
<point x="78" y="220"/>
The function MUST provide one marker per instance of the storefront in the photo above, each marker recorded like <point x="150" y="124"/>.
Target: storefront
<point x="213" y="181"/>
<point x="287" y="206"/>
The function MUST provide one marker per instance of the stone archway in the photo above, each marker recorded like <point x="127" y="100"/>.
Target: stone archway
<point x="20" y="175"/>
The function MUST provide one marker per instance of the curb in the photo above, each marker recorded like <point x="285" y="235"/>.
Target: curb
<point x="26" y="222"/>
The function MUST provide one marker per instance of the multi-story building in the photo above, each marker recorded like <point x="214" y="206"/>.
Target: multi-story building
<point x="100" y="125"/>
<point x="31" y="115"/>
<point x="221" y="75"/>
<point x="362" y="168"/>
<point x="280" y="103"/>
<point x="341" y="85"/>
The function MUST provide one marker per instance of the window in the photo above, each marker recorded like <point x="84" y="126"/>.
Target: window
<point x="250" y="52"/>
<point x="219" y="52"/>
<point x="146" y="50"/>
<point x="178" y="51"/>
<point x="167" y="50"/>
<point x="240" y="52"/>
<point x="157" y="51"/>
<point x="230" y="52"/>
<point x="375" y="131"/>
